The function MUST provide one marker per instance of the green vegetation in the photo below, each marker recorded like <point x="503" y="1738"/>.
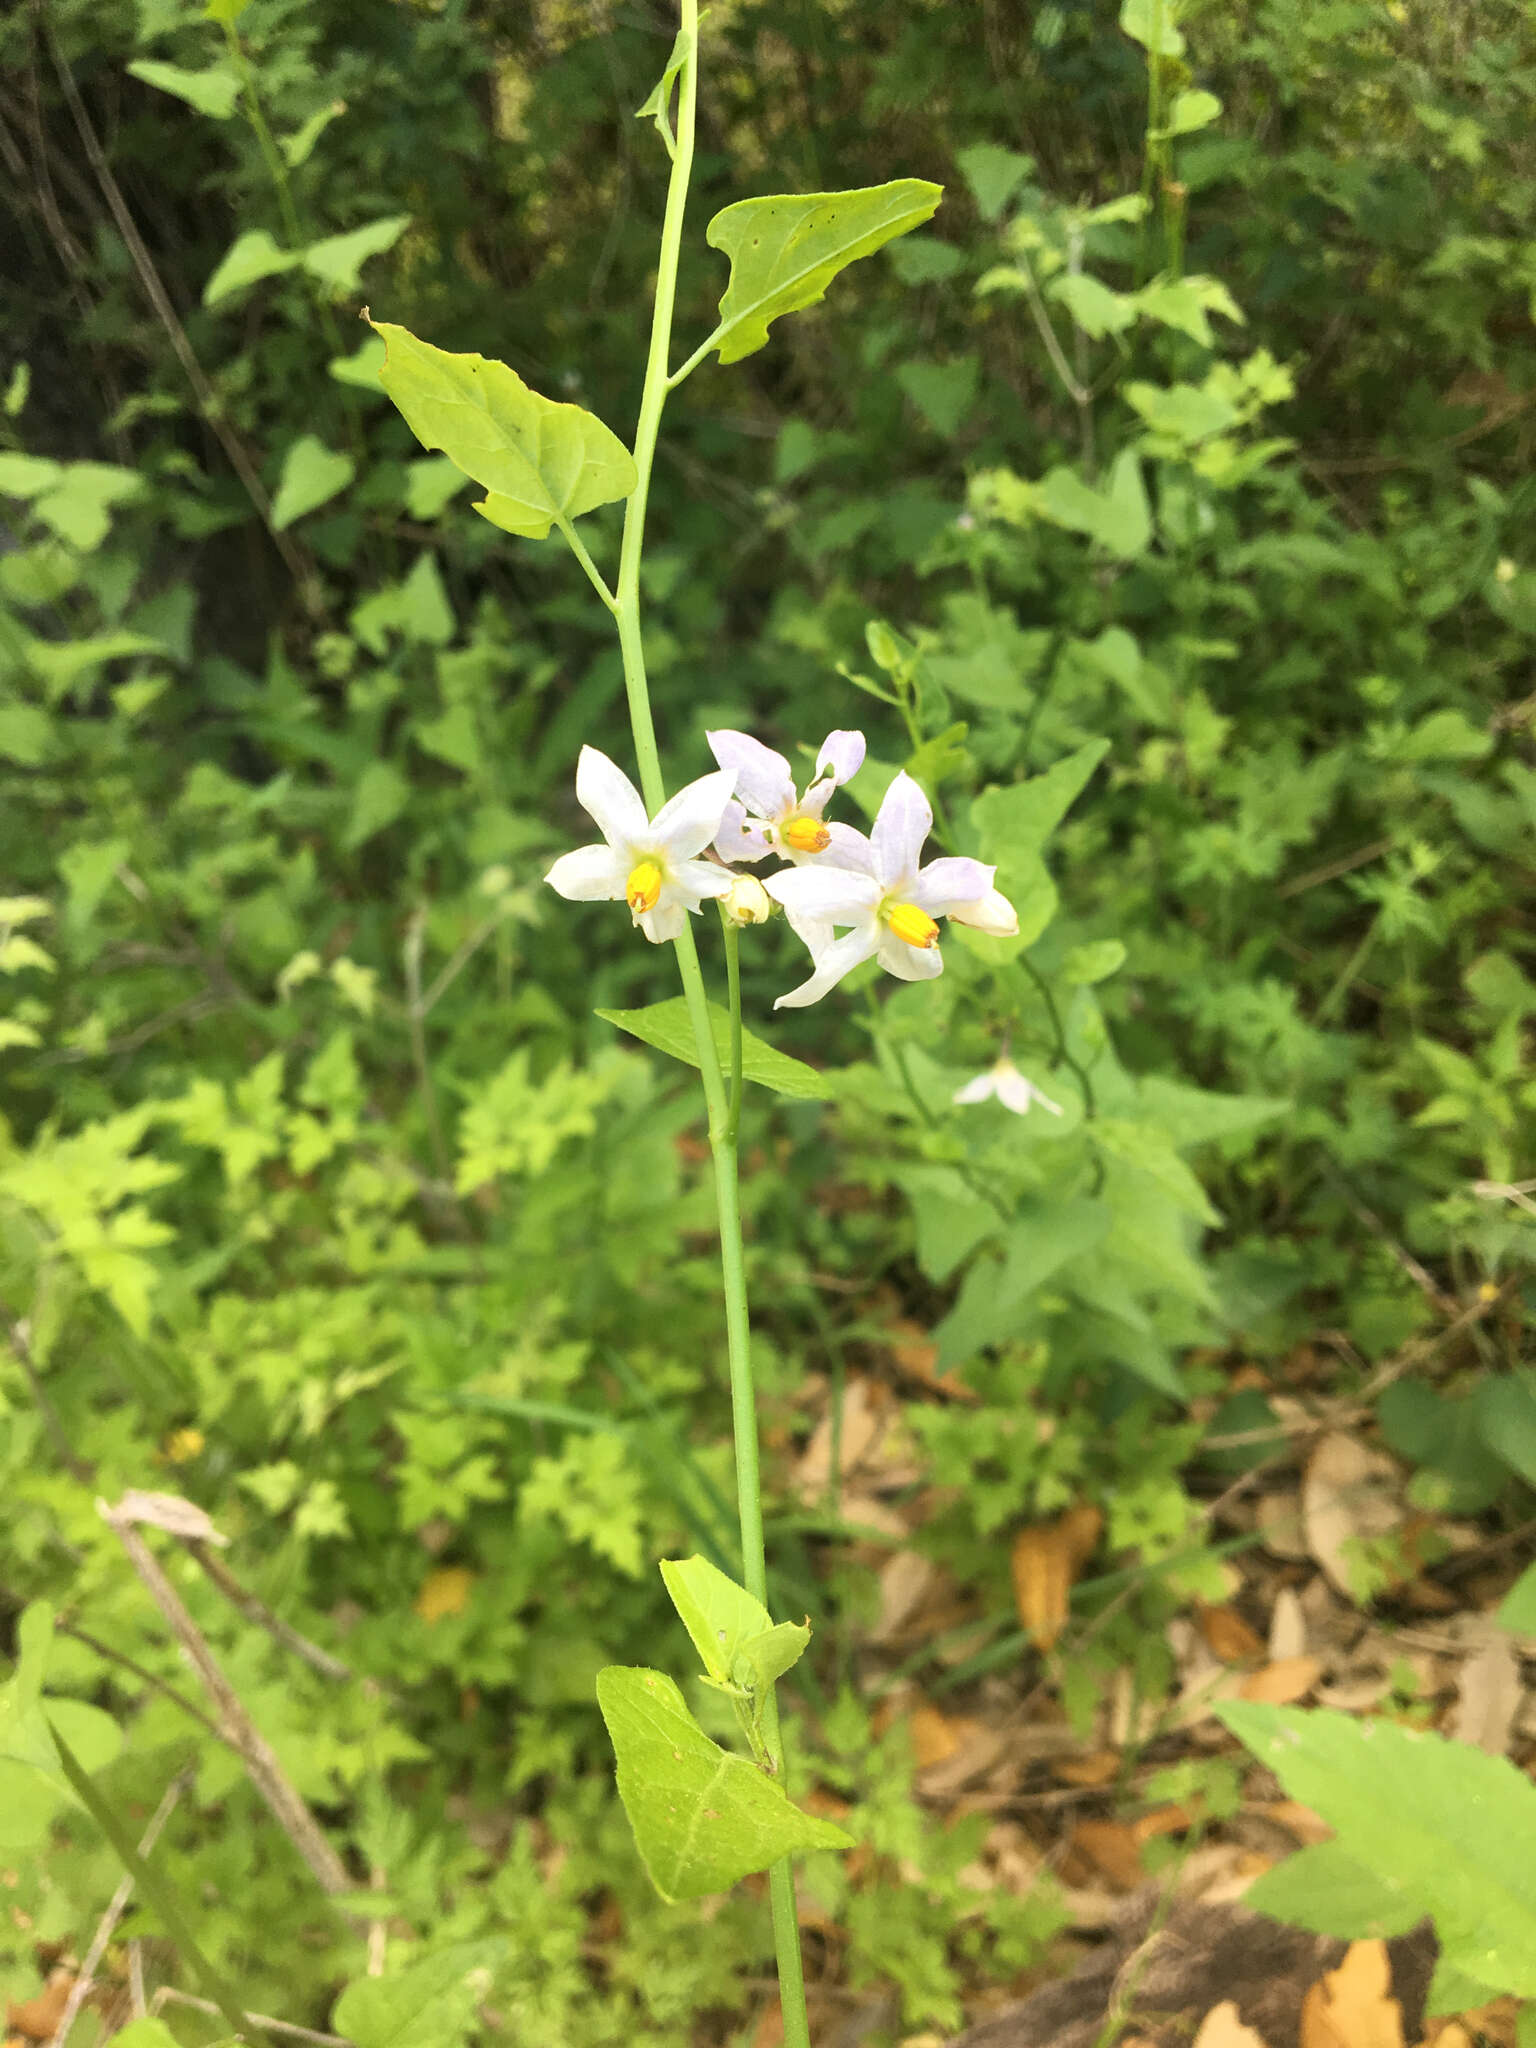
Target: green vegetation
<point x="1161" y="504"/>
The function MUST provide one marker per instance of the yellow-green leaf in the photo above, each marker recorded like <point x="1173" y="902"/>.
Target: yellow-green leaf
<point x="538" y="460"/>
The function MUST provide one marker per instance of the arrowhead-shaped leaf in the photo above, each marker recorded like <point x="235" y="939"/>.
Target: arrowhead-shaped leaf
<point x="539" y="460"/>
<point x="786" y="250"/>
<point x="667" y="1026"/>
<point x="719" y="1615"/>
<point x="702" y="1817"/>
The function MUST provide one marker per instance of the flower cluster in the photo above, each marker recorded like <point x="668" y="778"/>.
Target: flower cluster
<point x="848" y="896"/>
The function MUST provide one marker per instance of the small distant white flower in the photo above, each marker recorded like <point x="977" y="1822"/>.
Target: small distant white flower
<point x="878" y="889"/>
<point x="1012" y="1089"/>
<point x="770" y="816"/>
<point x="648" y="863"/>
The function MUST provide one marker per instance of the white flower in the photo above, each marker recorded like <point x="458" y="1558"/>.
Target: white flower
<point x="1012" y="1089"/>
<point x="747" y="901"/>
<point x="647" y="863"/>
<point x="994" y="914"/>
<point x="771" y="817"/>
<point x="891" y="905"/>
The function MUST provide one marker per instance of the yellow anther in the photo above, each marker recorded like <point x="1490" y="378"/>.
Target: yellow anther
<point x="643" y="887"/>
<point x="911" y="925"/>
<point x="806" y="835"/>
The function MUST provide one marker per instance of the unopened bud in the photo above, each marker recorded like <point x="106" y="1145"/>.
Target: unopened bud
<point x="990" y="913"/>
<point x="747" y="901"/>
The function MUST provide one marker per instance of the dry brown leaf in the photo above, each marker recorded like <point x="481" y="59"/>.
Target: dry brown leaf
<point x="1098" y="1767"/>
<point x="1110" y="1849"/>
<point x="865" y="1407"/>
<point x="977" y="1749"/>
<point x="444" y="1592"/>
<point x="1301" y="1821"/>
<point x="1488" y="1696"/>
<point x="1279" y="1519"/>
<point x="934" y="1735"/>
<point x="1448" y="2034"/>
<point x="1165" y="1820"/>
<point x="1349" y="1494"/>
<point x="914" y="1354"/>
<point x="1046" y="1558"/>
<point x="37" y="2019"/>
<point x="1222" y="2028"/>
<point x="1287" y="1627"/>
<point x="906" y="1580"/>
<point x="1281" y="1683"/>
<point x="166" y="1511"/>
<point x="1227" y="1635"/>
<point x="1353" y="2006"/>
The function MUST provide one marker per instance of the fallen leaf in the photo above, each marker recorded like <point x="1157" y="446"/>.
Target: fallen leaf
<point x="444" y="1592"/>
<point x="1112" y="1849"/>
<point x="864" y="1410"/>
<point x="1227" y="1635"/>
<point x="1046" y="1558"/>
<point x="1098" y="1767"/>
<point x="934" y="1736"/>
<point x="1287" y="1627"/>
<point x="1449" y="2034"/>
<point x="915" y="1354"/>
<point x="37" y="2019"/>
<point x="1221" y="2028"/>
<point x="906" y="1580"/>
<point x="1488" y="1696"/>
<point x="1349" y="1494"/>
<point x="1353" y="2006"/>
<point x="166" y="1511"/>
<point x="1283" y="1682"/>
<point x="1279" y="1518"/>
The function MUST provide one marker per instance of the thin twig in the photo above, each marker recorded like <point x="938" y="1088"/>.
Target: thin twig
<point x="79" y="1991"/>
<point x="80" y="1635"/>
<point x="266" y="1773"/>
<point x="19" y="1335"/>
<point x="415" y="1012"/>
<point x="256" y="1609"/>
<point x="168" y="1995"/>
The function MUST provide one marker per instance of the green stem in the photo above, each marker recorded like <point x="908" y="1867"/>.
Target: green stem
<point x="722" y="1126"/>
<point x="733" y="997"/>
<point x="151" y="1886"/>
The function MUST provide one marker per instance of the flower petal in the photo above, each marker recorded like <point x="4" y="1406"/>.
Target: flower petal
<point x="1016" y="1092"/>
<point x="763" y="779"/>
<point x="908" y="963"/>
<point x="695" y="881"/>
<point x="841" y="757"/>
<point x="951" y="884"/>
<point x="608" y="796"/>
<point x="687" y="822"/>
<point x="592" y="874"/>
<point x="831" y="963"/>
<point x="665" y="921"/>
<point x="981" y="1089"/>
<point x="833" y="895"/>
<point x="850" y="848"/>
<point x="994" y="914"/>
<point x="904" y="822"/>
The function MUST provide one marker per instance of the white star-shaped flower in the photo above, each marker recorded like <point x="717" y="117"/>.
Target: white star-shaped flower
<point x="1013" y="1090"/>
<point x="648" y="863"/>
<point x="891" y="905"/>
<point x="771" y="816"/>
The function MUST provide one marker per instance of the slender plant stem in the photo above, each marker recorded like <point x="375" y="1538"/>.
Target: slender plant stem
<point x="151" y="1884"/>
<point x="625" y="605"/>
<point x="733" y="1000"/>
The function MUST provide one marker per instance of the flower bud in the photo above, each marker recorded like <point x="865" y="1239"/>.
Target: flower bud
<point x="991" y="913"/>
<point x="747" y="901"/>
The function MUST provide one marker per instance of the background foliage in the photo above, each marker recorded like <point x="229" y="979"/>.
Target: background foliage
<point x="1186" y="558"/>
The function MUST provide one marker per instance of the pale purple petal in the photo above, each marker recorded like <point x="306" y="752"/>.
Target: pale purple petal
<point x="832" y="963"/>
<point x="665" y="921"/>
<point x="994" y="914"/>
<point x="687" y="822"/>
<point x="835" y="895"/>
<point x="763" y="779"/>
<point x="908" y="963"/>
<point x="951" y="884"/>
<point x="606" y="793"/>
<point x="739" y="837"/>
<point x="841" y="757"/>
<point x="592" y="874"/>
<point x="849" y="849"/>
<point x="695" y="881"/>
<point x="904" y="822"/>
<point x="981" y="1089"/>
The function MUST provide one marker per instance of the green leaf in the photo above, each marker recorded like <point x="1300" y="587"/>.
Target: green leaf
<point x="667" y="1027"/>
<point x="76" y="507"/>
<point x="1507" y="1411"/>
<point x="381" y="794"/>
<point x="1044" y="1237"/>
<point x="1095" y="308"/>
<point x="1150" y="1150"/>
<point x="942" y="392"/>
<point x="145" y="2033"/>
<point x="1019" y="817"/>
<point x="214" y="91"/>
<point x="312" y="475"/>
<point x="361" y="368"/>
<point x="26" y="476"/>
<point x="1151" y="23"/>
<point x="658" y="102"/>
<point x="431" y="2005"/>
<point x="60" y="664"/>
<point x="337" y="260"/>
<point x="763" y="1660"/>
<point x="1518" y="1612"/>
<point x="250" y="256"/>
<point x="1327" y="1891"/>
<point x="702" y="1818"/>
<point x="298" y="147"/>
<point x="1444" y="1827"/>
<point x="430" y="484"/>
<point x="718" y="1614"/>
<point x="994" y="175"/>
<point x="1192" y="110"/>
<point x="950" y="1219"/>
<point x="1085" y="965"/>
<point x="785" y="250"/>
<point x="538" y="459"/>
